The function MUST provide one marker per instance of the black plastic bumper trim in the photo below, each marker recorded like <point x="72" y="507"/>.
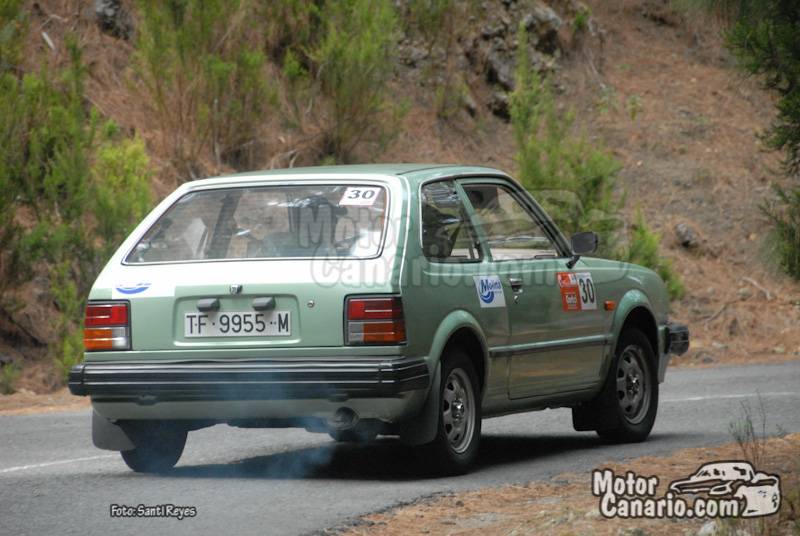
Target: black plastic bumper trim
<point x="677" y="338"/>
<point x="249" y="380"/>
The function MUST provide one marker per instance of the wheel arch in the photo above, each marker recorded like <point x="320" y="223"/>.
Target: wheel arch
<point x="636" y="312"/>
<point x="642" y="319"/>
<point x="461" y="330"/>
<point x="468" y="341"/>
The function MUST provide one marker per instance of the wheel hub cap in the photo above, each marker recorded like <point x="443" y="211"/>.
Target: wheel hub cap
<point x="458" y="409"/>
<point x="633" y="391"/>
<point x="633" y="384"/>
<point x="458" y="413"/>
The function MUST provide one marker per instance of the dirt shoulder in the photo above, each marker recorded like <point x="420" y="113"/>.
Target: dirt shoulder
<point x="565" y="506"/>
<point x="25" y="402"/>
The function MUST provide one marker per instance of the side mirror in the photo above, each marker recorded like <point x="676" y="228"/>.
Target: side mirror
<point x="584" y="243"/>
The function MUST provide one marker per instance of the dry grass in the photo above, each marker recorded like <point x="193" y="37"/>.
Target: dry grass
<point x="565" y="505"/>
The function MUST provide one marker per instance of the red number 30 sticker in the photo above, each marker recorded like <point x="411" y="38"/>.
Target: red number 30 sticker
<point x="577" y="291"/>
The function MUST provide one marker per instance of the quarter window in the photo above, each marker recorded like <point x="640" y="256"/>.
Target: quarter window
<point x="447" y="232"/>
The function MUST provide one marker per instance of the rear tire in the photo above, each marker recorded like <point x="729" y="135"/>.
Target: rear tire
<point x="159" y="446"/>
<point x="455" y="447"/>
<point x="631" y="389"/>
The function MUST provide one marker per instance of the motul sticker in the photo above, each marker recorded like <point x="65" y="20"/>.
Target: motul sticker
<point x="577" y="291"/>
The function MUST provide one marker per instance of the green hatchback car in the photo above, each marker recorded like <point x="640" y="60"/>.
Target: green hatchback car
<point x="403" y="300"/>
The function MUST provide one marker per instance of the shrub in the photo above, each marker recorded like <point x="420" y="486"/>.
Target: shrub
<point x="12" y="136"/>
<point x="291" y="26"/>
<point x="355" y="60"/>
<point x="783" y="243"/>
<point x="13" y="26"/>
<point x="9" y="372"/>
<point x="643" y="249"/>
<point x="68" y="348"/>
<point x="440" y="24"/>
<point x="121" y="188"/>
<point x="576" y="182"/>
<point x="202" y="65"/>
<point x="68" y="171"/>
<point x="763" y="38"/>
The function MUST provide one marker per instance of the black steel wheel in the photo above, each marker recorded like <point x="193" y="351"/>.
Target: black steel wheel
<point x="455" y="447"/>
<point x="632" y="389"/>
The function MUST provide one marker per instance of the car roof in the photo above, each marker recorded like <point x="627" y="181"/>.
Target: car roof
<point x="412" y="172"/>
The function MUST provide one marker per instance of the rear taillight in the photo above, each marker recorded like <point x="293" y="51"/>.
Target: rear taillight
<point x="107" y="327"/>
<point x="375" y="320"/>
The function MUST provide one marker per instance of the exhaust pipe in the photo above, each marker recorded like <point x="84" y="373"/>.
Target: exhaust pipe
<point x="343" y="419"/>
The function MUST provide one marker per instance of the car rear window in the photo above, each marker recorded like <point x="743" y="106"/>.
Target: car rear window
<point x="330" y="220"/>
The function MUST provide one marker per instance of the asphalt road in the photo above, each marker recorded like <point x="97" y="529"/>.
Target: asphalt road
<point x="291" y="482"/>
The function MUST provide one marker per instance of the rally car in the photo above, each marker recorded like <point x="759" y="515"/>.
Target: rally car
<point x="403" y="300"/>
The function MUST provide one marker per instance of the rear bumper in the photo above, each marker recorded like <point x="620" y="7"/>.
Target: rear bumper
<point x="677" y="338"/>
<point x="162" y="381"/>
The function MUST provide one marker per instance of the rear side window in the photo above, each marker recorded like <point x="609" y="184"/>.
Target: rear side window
<point x="335" y="220"/>
<point x="447" y="233"/>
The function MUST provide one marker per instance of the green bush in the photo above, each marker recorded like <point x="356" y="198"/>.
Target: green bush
<point x="575" y="181"/>
<point x="291" y="26"/>
<point x="68" y="348"/>
<point x="440" y="24"/>
<point x="13" y="26"/>
<point x="763" y="38"/>
<point x="12" y="135"/>
<point x="121" y="188"/>
<point x="78" y="181"/>
<point x="204" y="68"/>
<point x="643" y="249"/>
<point x="8" y="375"/>
<point x="355" y="60"/>
<point x="783" y="243"/>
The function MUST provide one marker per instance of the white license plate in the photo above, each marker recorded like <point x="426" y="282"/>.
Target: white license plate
<point x="238" y="324"/>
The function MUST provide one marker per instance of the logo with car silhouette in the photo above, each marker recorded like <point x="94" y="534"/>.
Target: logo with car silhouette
<point x="716" y="489"/>
<point x="760" y="492"/>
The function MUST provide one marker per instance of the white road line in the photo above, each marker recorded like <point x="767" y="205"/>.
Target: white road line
<point x="724" y="397"/>
<point x="48" y="464"/>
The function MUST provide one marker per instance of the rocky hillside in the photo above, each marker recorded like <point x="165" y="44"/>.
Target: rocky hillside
<point x="652" y="87"/>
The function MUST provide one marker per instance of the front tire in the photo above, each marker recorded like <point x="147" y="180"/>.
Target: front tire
<point x="159" y="446"/>
<point x="631" y="389"/>
<point x="455" y="447"/>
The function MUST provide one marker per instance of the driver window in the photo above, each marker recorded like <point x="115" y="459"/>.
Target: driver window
<point x="447" y="233"/>
<point x="511" y="230"/>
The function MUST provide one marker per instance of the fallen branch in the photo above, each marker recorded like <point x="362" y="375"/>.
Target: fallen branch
<point x="741" y="326"/>
<point x="590" y="57"/>
<point x="712" y="317"/>
<point x="759" y="287"/>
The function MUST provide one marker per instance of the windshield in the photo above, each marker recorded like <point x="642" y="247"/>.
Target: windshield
<point x="329" y="220"/>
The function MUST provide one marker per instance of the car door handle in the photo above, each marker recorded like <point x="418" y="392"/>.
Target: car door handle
<point x="516" y="284"/>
